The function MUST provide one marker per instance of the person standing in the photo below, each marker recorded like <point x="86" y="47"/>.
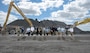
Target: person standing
<point x="43" y="30"/>
<point x="59" y="30"/>
<point x="28" y="31"/>
<point x="22" y="30"/>
<point x="71" y="30"/>
<point x="62" y="33"/>
<point x="32" y="30"/>
<point x="67" y="27"/>
<point x="18" y="30"/>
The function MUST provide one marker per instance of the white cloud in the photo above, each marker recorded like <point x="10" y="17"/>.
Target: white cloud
<point x="30" y="8"/>
<point x="53" y="3"/>
<point x="72" y="11"/>
<point x="6" y="2"/>
<point x="85" y="4"/>
<point x="24" y="0"/>
<point x="3" y="17"/>
<point x="35" y="8"/>
<point x="62" y="16"/>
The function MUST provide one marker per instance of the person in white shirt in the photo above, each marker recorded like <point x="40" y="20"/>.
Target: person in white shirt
<point x="47" y="30"/>
<point x="28" y="31"/>
<point x="32" y="30"/>
<point x="63" y="33"/>
<point x="59" y="30"/>
<point x="71" y="30"/>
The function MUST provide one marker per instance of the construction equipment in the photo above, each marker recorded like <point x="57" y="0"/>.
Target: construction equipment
<point x="17" y="8"/>
<point x="82" y="22"/>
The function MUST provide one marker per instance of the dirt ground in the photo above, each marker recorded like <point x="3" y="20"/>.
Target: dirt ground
<point x="47" y="44"/>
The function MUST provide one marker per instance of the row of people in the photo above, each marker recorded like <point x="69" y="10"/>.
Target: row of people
<point x="51" y="30"/>
<point x="45" y="30"/>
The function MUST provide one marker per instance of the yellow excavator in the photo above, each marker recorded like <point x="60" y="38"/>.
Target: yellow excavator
<point x="87" y="20"/>
<point x="21" y="13"/>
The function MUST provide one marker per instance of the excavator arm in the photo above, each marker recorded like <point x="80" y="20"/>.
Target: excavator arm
<point x="9" y="10"/>
<point x="17" y="8"/>
<point x="30" y="23"/>
<point x="82" y="22"/>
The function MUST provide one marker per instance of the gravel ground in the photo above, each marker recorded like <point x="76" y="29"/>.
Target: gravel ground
<point x="36" y="44"/>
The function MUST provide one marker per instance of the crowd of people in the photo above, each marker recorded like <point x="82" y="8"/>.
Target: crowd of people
<point x="30" y="31"/>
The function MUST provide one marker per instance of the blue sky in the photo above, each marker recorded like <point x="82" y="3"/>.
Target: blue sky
<point x="68" y="11"/>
